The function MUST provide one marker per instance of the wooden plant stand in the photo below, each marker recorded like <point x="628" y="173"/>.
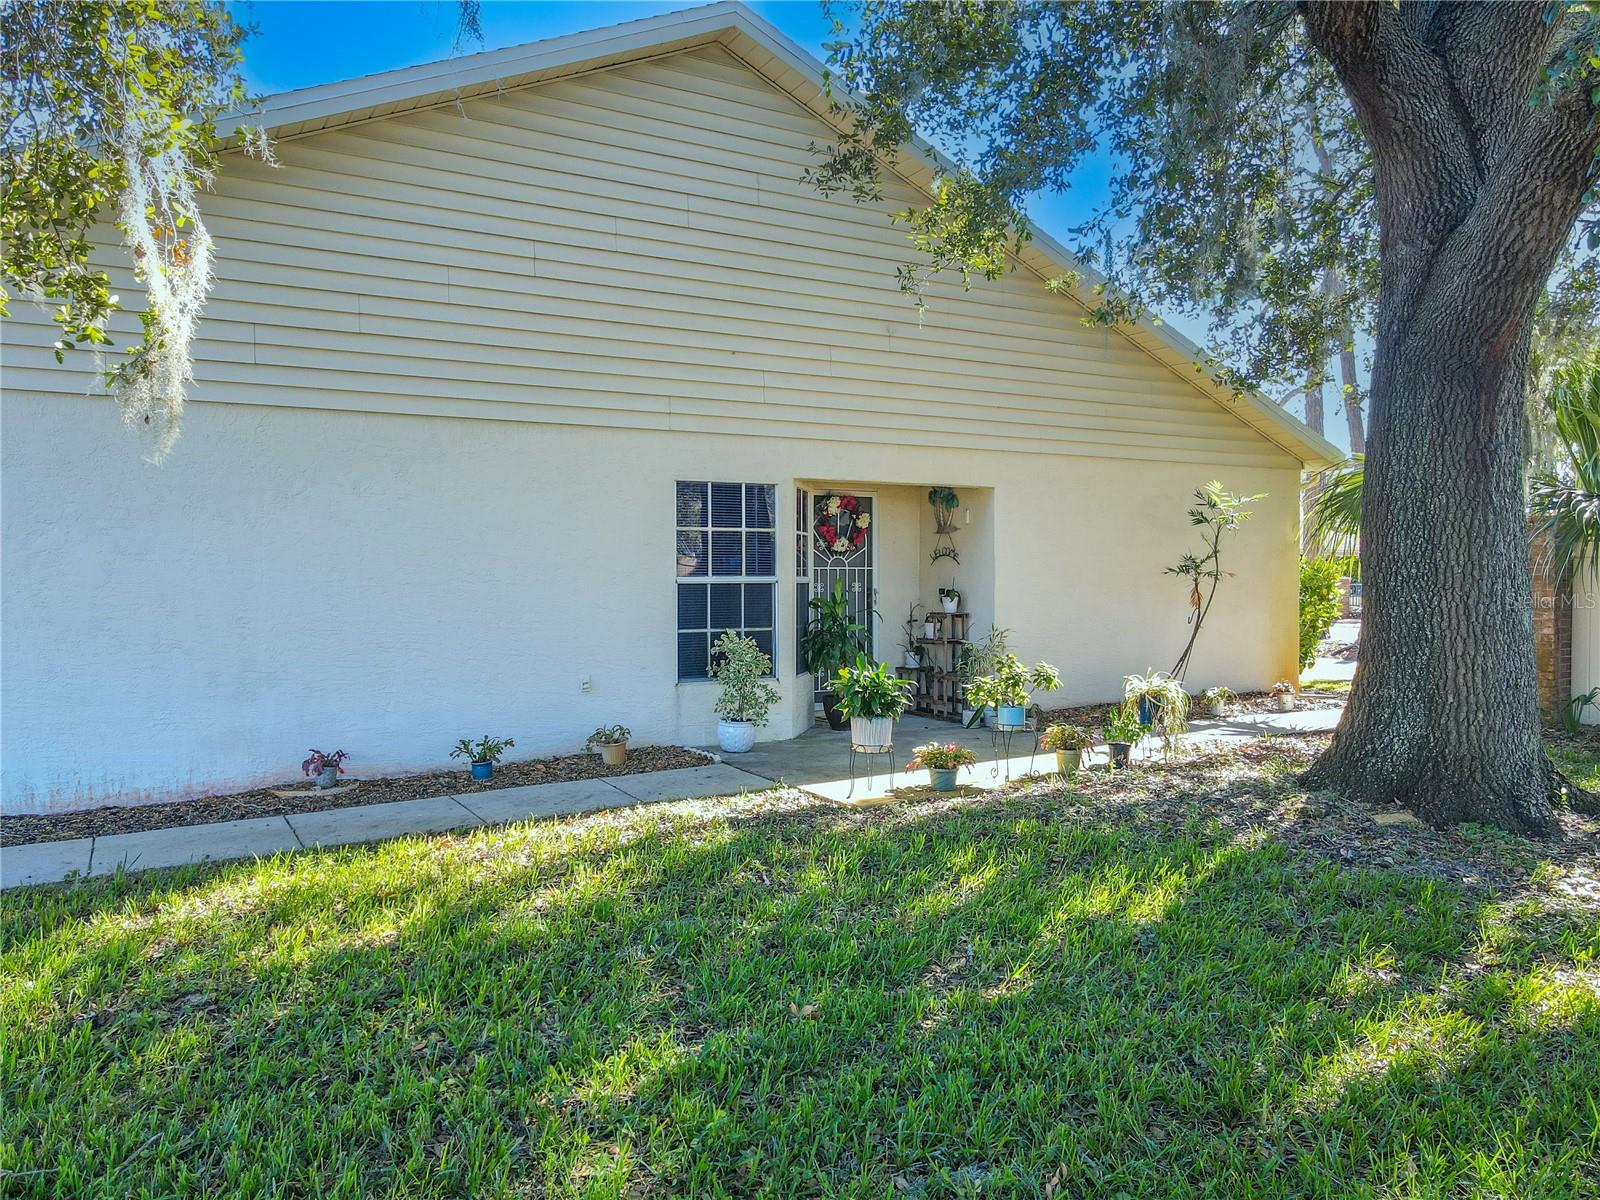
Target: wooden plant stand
<point x="937" y="681"/>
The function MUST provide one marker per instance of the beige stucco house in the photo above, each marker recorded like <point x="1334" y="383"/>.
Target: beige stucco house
<point x="523" y="375"/>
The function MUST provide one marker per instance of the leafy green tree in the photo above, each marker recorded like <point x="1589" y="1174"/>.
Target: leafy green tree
<point x="109" y="114"/>
<point x="1478" y="122"/>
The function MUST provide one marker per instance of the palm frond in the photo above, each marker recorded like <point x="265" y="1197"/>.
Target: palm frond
<point x="1333" y="519"/>
<point x="1566" y="502"/>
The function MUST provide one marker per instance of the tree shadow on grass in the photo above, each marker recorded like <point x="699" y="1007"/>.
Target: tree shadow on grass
<point x="950" y="1000"/>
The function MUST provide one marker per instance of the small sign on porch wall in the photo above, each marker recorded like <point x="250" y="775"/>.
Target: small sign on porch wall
<point x="945" y="502"/>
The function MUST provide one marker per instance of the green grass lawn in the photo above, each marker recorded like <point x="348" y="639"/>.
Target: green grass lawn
<point x="1025" y="996"/>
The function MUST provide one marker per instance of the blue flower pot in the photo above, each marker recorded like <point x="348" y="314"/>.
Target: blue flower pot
<point x="1147" y="711"/>
<point x="1013" y="715"/>
<point x="483" y="770"/>
<point x="943" y="779"/>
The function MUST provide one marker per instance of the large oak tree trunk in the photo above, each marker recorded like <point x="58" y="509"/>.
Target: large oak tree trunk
<point x="1476" y="191"/>
<point x="1443" y="716"/>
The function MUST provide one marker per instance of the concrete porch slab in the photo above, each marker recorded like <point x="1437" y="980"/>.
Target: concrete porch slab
<point x="374" y="822"/>
<point x="44" y="862"/>
<point x="543" y="800"/>
<point x="256" y="837"/>
<point x="690" y="783"/>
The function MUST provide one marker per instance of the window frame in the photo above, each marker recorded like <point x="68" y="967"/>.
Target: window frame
<point x="743" y="580"/>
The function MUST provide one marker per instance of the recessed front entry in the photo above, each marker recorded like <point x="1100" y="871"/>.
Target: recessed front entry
<point x="841" y="540"/>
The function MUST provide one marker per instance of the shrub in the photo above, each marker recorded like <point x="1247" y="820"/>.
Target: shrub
<point x="1319" y="603"/>
<point x="739" y="666"/>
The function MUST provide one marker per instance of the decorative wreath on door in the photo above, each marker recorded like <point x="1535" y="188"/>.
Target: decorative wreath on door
<point x="841" y="526"/>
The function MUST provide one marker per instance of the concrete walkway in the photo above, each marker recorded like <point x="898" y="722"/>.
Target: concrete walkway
<point x="48" y="862"/>
<point x="817" y="762"/>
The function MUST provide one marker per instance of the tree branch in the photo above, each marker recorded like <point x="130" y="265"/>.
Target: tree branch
<point x="1494" y="55"/>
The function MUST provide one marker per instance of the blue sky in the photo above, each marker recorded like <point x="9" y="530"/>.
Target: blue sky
<point x="300" y="43"/>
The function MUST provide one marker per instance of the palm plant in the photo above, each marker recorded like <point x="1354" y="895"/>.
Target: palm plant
<point x="1566" y="501"/>
<point x="1333" y="520"/>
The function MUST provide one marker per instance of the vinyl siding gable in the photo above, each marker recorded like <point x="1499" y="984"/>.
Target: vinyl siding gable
<point x="636" y="247"/>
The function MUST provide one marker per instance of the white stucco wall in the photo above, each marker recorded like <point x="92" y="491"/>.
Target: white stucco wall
<point x="453" y="364"/>
<point x="388" y="584"/>
<point x="1586" y="643"/>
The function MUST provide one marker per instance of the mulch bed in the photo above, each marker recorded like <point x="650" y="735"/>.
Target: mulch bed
<point x="260" y="802"/>
<point x="1250" y="790"/>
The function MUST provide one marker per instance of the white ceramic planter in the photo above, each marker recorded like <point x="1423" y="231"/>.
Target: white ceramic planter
<point x="735" y="737"/>
<point x="871" y="733"/>
<point x="913" y="660"/>
<point x="930" y="630"/>
<point x="950" y="603"/>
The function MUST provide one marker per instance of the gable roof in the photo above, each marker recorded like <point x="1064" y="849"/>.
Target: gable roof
<point x="771" y="54"/>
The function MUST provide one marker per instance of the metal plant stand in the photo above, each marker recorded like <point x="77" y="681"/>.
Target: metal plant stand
<point x="1000" y="738"/>
<point x="871" y="753"/>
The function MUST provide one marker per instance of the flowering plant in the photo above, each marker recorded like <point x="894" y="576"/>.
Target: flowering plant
<point x="319" y="762"/>
<point x="941" y="758"/>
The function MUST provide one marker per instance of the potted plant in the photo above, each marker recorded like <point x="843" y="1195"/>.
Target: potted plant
<point x="1122" y="732"/>
<point x="909" y="645"/>
<point x="741" y="666"/>
<point x="1283" y="697"/>
<point x="324" y="768"/>
<point x="950" y="599"/>
<point x="1216" y="701"/>
<point x="872" y="699"/>
<point x="1069" y="742"/>
<point x="482" y="755"/>
<point x="930" y="628"/>
<point x="612" y="742"/>
<point x="830" y="643"/>
<point x="1009" y="689"/>
<point x="1160" y="702"/>
<point x="942" y="762"/>
<point x="978" y="659"/>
